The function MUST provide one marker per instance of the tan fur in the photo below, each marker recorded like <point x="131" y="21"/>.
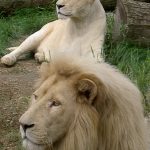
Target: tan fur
<point x="80" y="31"/>
<point x="100" y="109"/>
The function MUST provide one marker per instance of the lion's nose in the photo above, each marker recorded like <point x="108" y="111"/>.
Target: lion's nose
<point x="26" y="126"/>
<point x="60" y="6"/>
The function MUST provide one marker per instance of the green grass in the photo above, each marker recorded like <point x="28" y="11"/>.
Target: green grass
<point x="23" y="22"/>
<point x="130" y="59"/>
<point x="14" y="137"/>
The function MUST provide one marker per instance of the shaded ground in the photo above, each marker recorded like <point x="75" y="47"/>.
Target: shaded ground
<point x="16" y="86"/>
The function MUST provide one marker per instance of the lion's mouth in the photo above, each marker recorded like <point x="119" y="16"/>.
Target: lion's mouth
<point x="67" y="15"/>
<point x="26" y="139"/>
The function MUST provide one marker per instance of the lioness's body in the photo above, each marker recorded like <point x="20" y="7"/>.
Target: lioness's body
<point x="81" y="34"/>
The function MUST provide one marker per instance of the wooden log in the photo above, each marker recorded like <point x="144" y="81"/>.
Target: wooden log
<point x="135" y="17"/>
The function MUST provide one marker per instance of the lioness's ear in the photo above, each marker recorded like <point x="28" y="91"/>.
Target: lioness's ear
<point x="87" y="90"/>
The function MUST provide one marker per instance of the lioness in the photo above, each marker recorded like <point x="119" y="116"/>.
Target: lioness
<point x="83" y="105"/>
<point x="79" y="30"/>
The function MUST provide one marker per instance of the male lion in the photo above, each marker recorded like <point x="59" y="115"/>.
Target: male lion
<point x="83" y="106"/>
<point x="79" y="30"/>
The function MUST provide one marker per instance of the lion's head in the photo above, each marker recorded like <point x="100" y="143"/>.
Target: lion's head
<point x="73" y="8"/>
<point x="80" y="105"/>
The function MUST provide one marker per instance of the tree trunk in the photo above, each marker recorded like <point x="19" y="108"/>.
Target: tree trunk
<point x="134" y="18"/>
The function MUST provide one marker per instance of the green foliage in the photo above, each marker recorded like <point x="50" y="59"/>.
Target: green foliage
<point x="132" y="60"/>
<point x="23" y="22"/>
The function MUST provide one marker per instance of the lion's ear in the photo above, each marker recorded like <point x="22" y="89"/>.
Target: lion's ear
<point x="87" y="90"/>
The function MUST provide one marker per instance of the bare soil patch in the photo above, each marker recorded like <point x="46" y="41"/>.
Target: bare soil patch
<point x="16" y="86"/>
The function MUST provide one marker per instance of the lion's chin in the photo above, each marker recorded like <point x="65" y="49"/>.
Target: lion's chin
<point x="62" y="16"/>
<point x="28" y="145"/>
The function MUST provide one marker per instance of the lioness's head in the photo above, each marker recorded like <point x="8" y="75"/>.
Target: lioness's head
<point x="63" y="96"/>
<point x="73" y="8"/>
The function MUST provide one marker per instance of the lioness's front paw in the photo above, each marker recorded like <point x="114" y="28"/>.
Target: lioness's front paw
<point x="39" y="57"/>
<point x="8" y="60"/>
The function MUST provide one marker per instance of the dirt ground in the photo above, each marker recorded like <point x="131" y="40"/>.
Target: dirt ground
<point x="16" y="86"/>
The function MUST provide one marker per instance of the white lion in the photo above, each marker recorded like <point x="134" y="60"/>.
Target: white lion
<point x="80" y="30"/>
<point x="81" y="105"/>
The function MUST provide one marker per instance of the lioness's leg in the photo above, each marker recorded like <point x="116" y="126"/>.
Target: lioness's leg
<point x="31" y="43"/>
<point x="11" y="48"/>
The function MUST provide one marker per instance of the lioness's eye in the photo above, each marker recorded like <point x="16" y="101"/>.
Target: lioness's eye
<point x="54" y="103"/>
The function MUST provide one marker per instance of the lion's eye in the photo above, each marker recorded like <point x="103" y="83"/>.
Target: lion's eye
<point x="54" y="103"/>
